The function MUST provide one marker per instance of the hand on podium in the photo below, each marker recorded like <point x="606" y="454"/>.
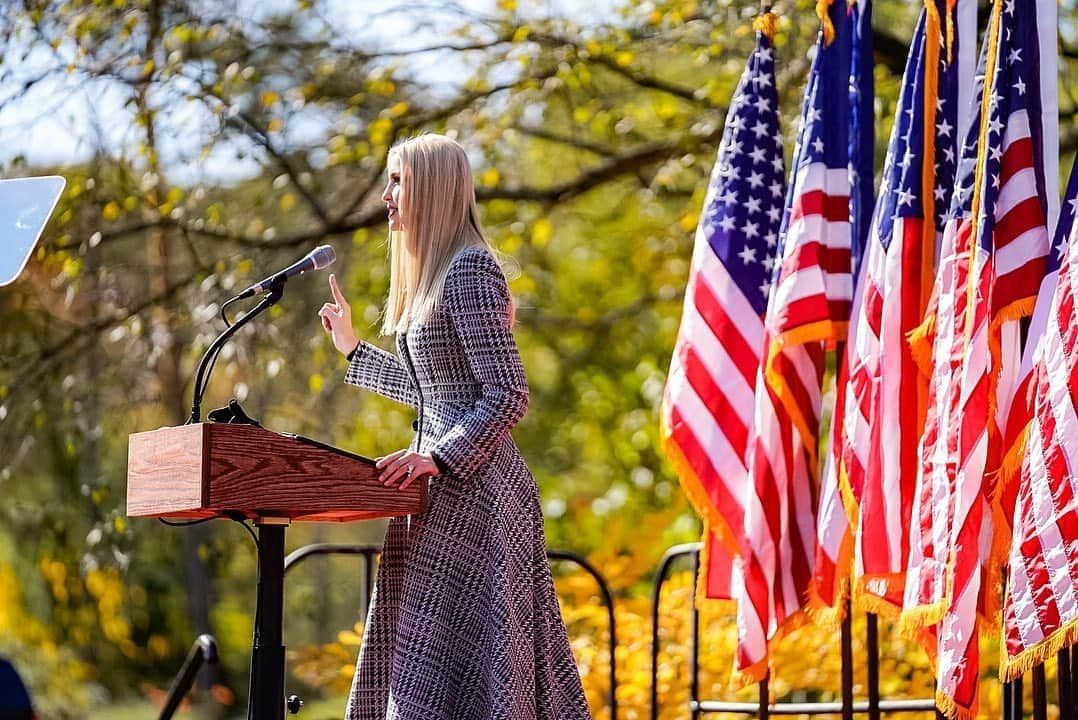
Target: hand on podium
<point x="406" y="466"/>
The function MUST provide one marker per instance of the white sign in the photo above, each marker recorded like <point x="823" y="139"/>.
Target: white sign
<point x="25" y="207"/>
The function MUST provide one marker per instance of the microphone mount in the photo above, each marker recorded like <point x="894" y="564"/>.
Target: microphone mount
<point x="273" y="296"/>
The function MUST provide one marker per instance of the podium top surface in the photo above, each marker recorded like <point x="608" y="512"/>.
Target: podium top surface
<point x="214" y="469"/>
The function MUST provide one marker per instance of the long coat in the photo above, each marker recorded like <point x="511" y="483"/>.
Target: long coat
<point x="464" y="622"/>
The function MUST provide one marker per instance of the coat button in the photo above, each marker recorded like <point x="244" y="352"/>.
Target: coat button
<point x="415" y="425"/>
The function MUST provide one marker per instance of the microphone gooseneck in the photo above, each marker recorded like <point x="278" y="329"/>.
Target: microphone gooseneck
<point x="319" y="258"/>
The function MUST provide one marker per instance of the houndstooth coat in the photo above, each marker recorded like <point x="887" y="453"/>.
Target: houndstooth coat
<point x="464" y="623"/>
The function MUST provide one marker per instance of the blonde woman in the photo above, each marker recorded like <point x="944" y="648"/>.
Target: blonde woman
<point x="464" y="623"/>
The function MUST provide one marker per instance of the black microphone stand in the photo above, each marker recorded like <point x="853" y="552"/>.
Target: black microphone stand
<point x="266" y="701"/>
<point x="276" y="292"/>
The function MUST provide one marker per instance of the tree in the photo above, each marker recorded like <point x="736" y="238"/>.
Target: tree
<point x="592" y="146"/>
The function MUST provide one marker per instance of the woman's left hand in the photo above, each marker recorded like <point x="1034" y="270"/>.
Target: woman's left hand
<point x="405" y="466"/>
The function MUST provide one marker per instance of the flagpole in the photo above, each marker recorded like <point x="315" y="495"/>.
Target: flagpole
<point x="763" y="690"/>
<point x="847" y="662"/>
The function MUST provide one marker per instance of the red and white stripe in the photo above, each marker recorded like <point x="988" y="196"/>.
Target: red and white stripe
<point x="1004" y="283"/>
<point x="925" y="593"/>
<point x="707" y="411"/>
<point x="820" y="214"/>
<point x="887" y="393"/>
<point x="808" y="308"/>
<point x="1041" y="612"/>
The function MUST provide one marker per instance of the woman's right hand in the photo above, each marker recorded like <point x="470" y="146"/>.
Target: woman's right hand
<point x="337" y="320"/>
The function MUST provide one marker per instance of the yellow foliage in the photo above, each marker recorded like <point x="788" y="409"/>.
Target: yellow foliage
<point x="541" y="232"/>
<point x="378" y="131"/>
<point x="51" y="668"/>
<point x="382" y="87"/>
<point x="490" y="177"/>
<point x="807" y="665"/>
<point x="111" y="211"/>
<point x="397" y="109"/>
<point x="352" y="638"/>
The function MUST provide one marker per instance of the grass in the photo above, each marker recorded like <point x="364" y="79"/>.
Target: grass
<point x="327" y="709"/>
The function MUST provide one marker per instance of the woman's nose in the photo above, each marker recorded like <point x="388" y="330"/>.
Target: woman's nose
<point x="387" y="195"/>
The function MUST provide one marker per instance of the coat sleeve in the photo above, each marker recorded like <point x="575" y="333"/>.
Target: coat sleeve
<point x="477" y="301"/>
<point x="374" y="369"/>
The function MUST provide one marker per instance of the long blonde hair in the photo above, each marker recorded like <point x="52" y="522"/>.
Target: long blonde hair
<point x="440" y="218"/>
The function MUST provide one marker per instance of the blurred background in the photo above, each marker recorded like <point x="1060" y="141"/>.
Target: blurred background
<point x="207" y="143"/>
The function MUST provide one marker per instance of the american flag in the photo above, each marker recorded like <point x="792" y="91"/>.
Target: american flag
<point x="885" y="395"/>
<point x="808" y="310"/>
<point x="833" y="537"/>
<point x="708" y="401"/>
<point x="1001" y="252"/>
<point x="1040" y="615"/>
<point x="924" y="602"/>
<point x="1021" y="410"/>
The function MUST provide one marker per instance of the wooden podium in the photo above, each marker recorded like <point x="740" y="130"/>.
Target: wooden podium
<point x="207" y="470"/>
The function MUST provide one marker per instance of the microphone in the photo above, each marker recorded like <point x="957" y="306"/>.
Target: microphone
<point x="321" y="257"/>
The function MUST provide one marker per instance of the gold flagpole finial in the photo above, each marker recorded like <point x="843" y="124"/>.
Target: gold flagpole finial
<point x="823" y="8"/>
<point x="766" y="20"/>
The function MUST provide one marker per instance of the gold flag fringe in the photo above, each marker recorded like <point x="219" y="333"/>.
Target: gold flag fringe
<point x="920" y="342"/>
<point x="755" y="672"/>
<point x="1013" y="668"/>
<point x="946" y="705"/>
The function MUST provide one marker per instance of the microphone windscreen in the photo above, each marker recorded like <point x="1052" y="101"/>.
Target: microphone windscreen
<point x="323" y="256"/>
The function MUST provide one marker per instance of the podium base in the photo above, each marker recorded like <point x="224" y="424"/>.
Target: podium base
<point x="266" y="700"/>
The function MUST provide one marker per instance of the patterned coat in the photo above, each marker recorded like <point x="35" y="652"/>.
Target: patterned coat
<point x="464" y="623"/>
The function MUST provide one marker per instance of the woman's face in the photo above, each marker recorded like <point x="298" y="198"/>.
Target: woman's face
<point x="393" y="195"/>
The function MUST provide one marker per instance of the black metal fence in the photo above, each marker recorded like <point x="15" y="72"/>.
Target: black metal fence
<point x="203" y="652"/>
<point x="1066" y="683"/>
<point x="873" y="705"/>
<point x="370" y="552"/>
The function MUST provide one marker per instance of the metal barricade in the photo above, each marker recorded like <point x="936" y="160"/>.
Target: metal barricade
<point x="698" y="706"/>
<point x="370" y="552"/>
<point x="204" y="651"/>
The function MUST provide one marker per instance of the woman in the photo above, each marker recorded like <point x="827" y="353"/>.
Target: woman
<point x="464" y="623"/>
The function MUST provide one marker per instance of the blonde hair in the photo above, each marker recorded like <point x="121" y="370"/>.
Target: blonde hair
<point x="440" y="218"/>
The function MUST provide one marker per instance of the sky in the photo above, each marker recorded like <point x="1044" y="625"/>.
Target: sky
<point x="64" y="118"/>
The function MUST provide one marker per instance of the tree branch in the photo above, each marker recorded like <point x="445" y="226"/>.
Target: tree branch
<point x="261" y="137"/>
<point x="578" y="143"/>
<point x="635" y="75"/>
<point x="615" y="166"/>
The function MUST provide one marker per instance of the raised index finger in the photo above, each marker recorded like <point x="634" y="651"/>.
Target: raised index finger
<point x="333" y="287"/>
